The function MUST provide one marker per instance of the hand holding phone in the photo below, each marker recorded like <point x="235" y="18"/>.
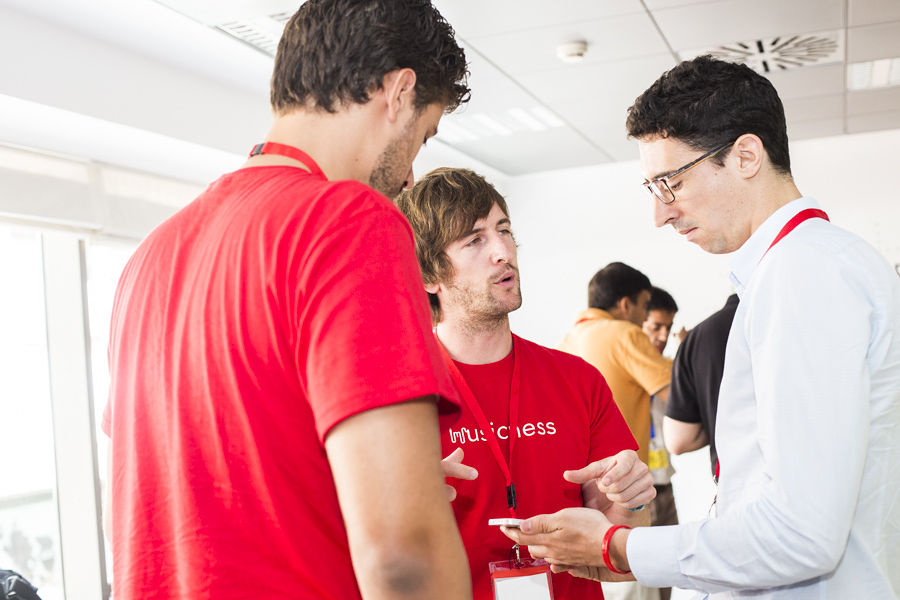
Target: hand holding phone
<point x="507" y="522"/>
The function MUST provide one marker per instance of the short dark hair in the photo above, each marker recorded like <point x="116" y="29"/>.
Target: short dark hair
<point x="706" y="102"/>
<point x="614" y="282"/>
<point x="335" y="52"/>
<point x="660" y="299"/>
<point x="442" y="207"/>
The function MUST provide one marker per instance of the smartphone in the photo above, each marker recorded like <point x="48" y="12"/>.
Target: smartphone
<point x="506" y="522"/>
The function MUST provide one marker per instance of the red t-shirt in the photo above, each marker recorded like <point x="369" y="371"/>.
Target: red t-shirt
<point x="244" y="328"/>
<point x="567" y="419"/>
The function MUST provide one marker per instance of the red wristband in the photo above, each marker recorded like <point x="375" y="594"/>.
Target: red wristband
<point x="604" y="548"/>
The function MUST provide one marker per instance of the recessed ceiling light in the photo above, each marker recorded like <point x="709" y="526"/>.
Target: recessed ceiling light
<point x="527" y="119"/>
<point x="884" y="72"/>
<point x="547" y="117"/>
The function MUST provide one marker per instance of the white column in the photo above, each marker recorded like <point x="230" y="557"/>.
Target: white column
<point x="77" y="475"/>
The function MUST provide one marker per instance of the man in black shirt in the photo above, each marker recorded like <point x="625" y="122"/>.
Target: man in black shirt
<point x="690" y="421"/>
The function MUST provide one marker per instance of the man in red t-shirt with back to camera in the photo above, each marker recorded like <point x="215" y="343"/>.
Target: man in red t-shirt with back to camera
<point x="529" y="413"/>
<point x="275" y="386"/>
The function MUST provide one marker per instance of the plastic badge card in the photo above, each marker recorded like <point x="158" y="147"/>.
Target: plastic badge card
<point x="530" y="580"/>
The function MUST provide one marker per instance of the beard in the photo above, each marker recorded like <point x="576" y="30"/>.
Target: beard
<point x="483" y="310"/>
<point x="391" y="168"/>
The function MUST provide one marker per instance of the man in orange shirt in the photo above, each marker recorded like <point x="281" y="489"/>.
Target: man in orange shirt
<point x="609" y="336"/>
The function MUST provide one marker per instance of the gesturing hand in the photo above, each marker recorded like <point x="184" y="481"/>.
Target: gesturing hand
<point x="453" y="467"/>
<point x="622" y="479"/>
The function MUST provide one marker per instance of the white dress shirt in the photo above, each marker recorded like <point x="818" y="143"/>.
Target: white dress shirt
<point x="808" y="429"/>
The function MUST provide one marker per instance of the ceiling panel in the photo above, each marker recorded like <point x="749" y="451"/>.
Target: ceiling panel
<point x="613" y="38"/>
<point x="820" y="80"/>
<point x="814" y="108"/>
<point x="873" y="101"/>
<point x="804" y="130"/>
<point x="700" y="25"/>
<point x="606" y="127"/>
<point x="873" y="41"/>
<point x="603" y="86"/>
<point x="547" y="150"/>
<point x="870" y="12"/>
<point x="476" y="18"/>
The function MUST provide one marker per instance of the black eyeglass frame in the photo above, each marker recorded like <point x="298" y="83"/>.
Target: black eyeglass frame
<point x="664" y="193"/>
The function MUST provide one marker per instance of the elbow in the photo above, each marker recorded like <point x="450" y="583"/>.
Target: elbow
<point x="823" y="557"/>
<point x="396" y="575"/>
<point x="677" y="446"/>
<point x="813" y="554"/>
<point x="399" y="565"/>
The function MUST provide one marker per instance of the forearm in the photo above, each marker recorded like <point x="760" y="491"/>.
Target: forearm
<point x="400" y="527"/>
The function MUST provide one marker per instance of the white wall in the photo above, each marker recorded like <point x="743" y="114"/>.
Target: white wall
<point x="571" y="223"/>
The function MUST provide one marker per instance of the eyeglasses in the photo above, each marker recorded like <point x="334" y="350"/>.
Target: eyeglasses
<point x="659" y="187"/>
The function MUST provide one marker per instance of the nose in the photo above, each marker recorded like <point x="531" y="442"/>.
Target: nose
<point x="663" y="213"/>
<point x="500" y="249"/>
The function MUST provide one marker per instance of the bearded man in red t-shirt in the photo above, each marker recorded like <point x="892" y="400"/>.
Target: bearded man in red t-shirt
<point x="275" y="386"/>
<point x="530" y="414"/>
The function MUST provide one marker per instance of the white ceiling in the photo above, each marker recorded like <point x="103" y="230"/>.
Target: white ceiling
<point x="511" y="46"/>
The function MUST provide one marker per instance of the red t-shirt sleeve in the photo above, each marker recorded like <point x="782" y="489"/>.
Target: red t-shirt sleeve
<point x="366" y="338"/>
<point x="609" y="431"/>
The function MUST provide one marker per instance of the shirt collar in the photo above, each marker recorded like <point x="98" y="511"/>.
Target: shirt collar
<point x="592" y="314"/>
<point x="745" y="259"/>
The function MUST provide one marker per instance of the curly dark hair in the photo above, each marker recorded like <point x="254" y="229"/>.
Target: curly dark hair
<point x="707" y="102"/>
<point x="336" y="52"/>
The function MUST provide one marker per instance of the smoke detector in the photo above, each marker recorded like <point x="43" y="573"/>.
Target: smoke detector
<point x="780" y="53"/>
<point x="572" y="52"/>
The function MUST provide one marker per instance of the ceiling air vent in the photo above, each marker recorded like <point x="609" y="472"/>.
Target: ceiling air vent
<point x="262" y="33"/>
<point x="780" y="53"/>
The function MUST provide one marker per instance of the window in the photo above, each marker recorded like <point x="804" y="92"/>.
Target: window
<point x="29" y="519"/>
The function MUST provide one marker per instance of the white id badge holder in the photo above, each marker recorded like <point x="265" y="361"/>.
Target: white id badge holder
<point x="521" y="579"/>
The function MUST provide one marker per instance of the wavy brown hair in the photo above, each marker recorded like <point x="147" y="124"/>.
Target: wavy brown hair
<point x="442" y="207"/>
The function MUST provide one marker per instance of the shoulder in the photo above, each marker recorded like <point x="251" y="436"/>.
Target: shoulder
<point x="820" y="255"/>
<point x="293" y="193"/>
<point x="634" y="340"/>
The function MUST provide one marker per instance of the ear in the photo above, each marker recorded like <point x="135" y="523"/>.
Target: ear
<point x="432" y="288"/>
<point x="399" y="91"/>
<point x="749" y="153"/>
<point x="624" y="304"/>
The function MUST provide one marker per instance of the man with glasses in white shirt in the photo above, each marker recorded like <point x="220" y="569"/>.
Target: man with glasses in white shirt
<point x="808" y="503"/>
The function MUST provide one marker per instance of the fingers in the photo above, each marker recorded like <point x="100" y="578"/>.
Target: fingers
<point x="641" y="493"/>
<point x="453" y="467"/>
<point x="628" y="481"/>
<point x="451" y="493"/>
<point x="595" y="470"/>
<point x="621" y="468"/>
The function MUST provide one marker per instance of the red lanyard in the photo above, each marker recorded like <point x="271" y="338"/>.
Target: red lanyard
<point x="289" y="152"/>
<point x="475" y="408"/>
<point x="803" y="215"/>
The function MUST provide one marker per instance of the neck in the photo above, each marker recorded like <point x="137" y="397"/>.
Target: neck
<point x="340" y="142"/>
<point x="475" y="344"/>
<point x="779" y="191"/>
